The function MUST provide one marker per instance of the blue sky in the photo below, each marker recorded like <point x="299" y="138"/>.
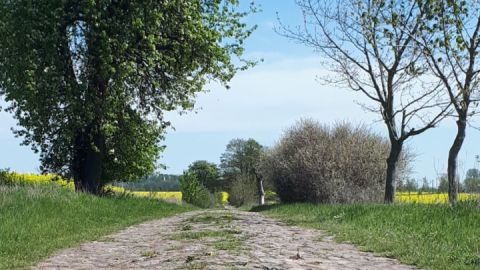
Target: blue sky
<point x="262" y="103"/>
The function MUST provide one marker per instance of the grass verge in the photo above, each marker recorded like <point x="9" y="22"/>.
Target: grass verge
<point x="37" y="220"/>
<point x="429" y="236"/>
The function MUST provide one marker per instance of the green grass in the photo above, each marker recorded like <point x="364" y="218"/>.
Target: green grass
<point x="230" y="243"/>
<point x="430" y="236"/>
<point x="197" y="235"/>
<point x="226" y="239"/>
<point x="213" y="218"/>
<point x="194" y="235"/>
<point x="35" y="221"/>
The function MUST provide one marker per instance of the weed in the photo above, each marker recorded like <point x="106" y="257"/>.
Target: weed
<point x="193" y="235"/>
<point x="149" y="254"/>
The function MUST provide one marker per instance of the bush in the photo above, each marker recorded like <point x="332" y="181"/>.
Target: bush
<point x="195" y="193"/>
<point x="316" y="163"/>
<point x="242" y="190"/>
<point x="271" y="197"/>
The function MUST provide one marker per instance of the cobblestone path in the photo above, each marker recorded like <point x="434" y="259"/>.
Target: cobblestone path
<point x="217" y="239"/>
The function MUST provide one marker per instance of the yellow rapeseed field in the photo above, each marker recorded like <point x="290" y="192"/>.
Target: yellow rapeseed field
<point x="164" y="195"/>
<point x="414" y="197"/>
<point x="28" y="178"/>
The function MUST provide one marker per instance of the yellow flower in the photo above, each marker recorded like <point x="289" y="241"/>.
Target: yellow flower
<point x="414" y="197"/>
<point x="28" y="178"/>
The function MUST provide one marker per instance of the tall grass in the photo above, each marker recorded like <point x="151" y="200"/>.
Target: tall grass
<point x="430" y="236"/>
<point x="36" y="220"/>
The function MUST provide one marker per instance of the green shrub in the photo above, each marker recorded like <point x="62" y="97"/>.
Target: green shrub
<point x="242" y="191"/>
<point x="218" y="199"/>
<point x="271" y="197"/>
<point x="194" y="192"/>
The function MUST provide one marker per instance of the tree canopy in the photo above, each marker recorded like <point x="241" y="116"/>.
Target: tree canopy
<point x="207" y="174"/>
<point x="238" y="165"/>
<point x="240" y="157"/>
<point x="472" y="181"/>
<point x="89" y="81"/>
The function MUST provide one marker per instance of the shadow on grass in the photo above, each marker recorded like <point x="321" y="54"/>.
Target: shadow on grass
<point x="266" y="207"/>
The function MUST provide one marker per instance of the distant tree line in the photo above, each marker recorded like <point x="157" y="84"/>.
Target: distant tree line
<point x="155" y="182"/>
<point x="237" y="174"/>
<point x="470" y="184"/>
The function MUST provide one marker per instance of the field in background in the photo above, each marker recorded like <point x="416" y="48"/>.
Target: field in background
<point x="171" y="196"/>
<point x="37" y="220"/>
<point x="36" y="179"/>
<point x="431" y="198"/>
<point x="432" y="236"/>
<point x="18" y="178"/>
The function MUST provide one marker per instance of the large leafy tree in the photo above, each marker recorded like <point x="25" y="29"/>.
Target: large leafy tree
<point x="240" y="157"/>
<point x="89" y="81"/>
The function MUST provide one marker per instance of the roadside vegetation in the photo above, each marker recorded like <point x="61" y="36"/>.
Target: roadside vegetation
<point x="432" y="198"/>
<point x="14" y="178"/>
<point x="37" y="220"/>
<point x="430" y="236"/>
<point x="90" y="98"/>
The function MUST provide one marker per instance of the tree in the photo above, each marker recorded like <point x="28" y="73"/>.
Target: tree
<point x="207" y="174"/>
<point x="473" y="173"/>
<point x="472" y="181"/>
<point x="450" y="41"/>
<point x="89" y="81"/>
<point x="369" y="46"/>
<point x="239" y="163"/>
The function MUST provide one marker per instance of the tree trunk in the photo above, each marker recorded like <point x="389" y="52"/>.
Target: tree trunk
<point x="261" y="191"/>
<point x="88" y="162"/>
<point x="392" y="161"/>
<point x="452" y="159"/>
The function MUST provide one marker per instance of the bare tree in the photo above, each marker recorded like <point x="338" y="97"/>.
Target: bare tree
<point x="368" y="45"/>
<point x="450" y="41"/>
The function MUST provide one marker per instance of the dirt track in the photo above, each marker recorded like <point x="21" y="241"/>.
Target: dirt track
<point x="216" y="239"/>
